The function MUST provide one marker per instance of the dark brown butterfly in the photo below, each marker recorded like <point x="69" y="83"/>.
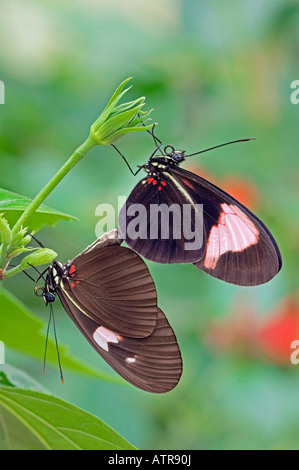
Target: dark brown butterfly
<point x="229" y="242"/>
<point x="109" y="294"/>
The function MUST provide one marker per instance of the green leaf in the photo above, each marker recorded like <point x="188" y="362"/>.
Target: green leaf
<point x="4" y="380"/>
<point x="122" y="132"/>
<point x="12" y="377"/>
<point x="32" y="420"/>
<point x="13" y="205"/>
<point x="17" y="324"/>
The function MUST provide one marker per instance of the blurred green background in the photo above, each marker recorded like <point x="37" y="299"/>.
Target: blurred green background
<point x="213" y="71"/>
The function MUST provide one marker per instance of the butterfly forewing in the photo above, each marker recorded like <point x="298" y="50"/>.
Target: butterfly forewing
<point x="152" y="364"/>
<point x="162" y="223"/>
<point x="113" y="287"/>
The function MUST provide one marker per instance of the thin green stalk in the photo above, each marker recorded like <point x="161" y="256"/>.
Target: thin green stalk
<point x="79" y="153"/>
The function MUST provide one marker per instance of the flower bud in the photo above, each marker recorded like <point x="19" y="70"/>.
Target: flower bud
<point x="5" y="231"/>
<point x="116" y="121"/>
<point x="18" y="252"/>
<point x="18" y="238"/>
<point x="38" y="257"/>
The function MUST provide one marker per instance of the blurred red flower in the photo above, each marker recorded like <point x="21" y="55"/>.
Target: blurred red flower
<point x="268" y="339"/>
<point x="200" y="171"/>
<point x="238" y="187"/>
<point x="279" y="330"/>
<point x="242" y="190"/>
<point x="235" y="334"/>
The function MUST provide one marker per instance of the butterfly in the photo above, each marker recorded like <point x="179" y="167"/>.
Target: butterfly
<point x="175" y="216"/>
<point x="108" y="292"/>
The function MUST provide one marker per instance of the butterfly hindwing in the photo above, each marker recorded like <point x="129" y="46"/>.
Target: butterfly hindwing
<point x="239" y="247"/>
<point x="112" y="286"/>
<point x="152" y="364"/>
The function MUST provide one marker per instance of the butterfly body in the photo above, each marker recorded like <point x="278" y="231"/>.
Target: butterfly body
<point x="157" y="164"/>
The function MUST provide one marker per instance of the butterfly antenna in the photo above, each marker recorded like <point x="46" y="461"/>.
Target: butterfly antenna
<point x="28" y="275"/>
<point x="37" y="241"/>
<point x="221" y="145"/>
<point x="46" y="345"/>
<point x="155" y="151"/>
<point x="158" y="142"/>
<point x="41" y="275"/>
<point x="24" y="272"/>
<point x="152" y="133"/>
<point x="57" y="348"/>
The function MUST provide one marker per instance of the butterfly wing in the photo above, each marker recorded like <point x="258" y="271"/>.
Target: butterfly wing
<point x="151" y="222"/>
<point x="239" y="247"/>
<point x="152" y="364"/>
<point x="112" y="286"/>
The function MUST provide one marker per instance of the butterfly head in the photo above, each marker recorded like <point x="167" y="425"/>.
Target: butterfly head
<point x="48" y="291"/>
<point x="47" y="295"/>
<point x="177" y="156"/>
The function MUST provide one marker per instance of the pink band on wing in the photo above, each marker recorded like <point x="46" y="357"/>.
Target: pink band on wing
<point x="103" y="336"/>
<point x="234" y="232"/>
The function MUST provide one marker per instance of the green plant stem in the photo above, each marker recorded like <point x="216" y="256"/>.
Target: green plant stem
<point x="13" y="272"/>
<point x="79" y="153"/>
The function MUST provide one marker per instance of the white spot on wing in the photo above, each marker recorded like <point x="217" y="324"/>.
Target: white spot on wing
<point x="130" y="360"/>
<point x="103" y="337"/>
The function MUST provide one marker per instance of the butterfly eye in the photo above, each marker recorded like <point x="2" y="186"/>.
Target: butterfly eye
<point x="178" y="156"/>
<point x="49" y="297"/>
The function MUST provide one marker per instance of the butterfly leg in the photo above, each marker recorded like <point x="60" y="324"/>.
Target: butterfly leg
<point x="134" y="173"/>
<point x="41" y="275"/>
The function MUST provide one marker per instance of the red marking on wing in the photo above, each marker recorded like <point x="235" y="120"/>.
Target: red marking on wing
<point x="154" y="182"/>
<point x="188" y="183"/>
<point x="72" y="270"/>
<point x="72" y="285"/>
<point x="234" y="232"/>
